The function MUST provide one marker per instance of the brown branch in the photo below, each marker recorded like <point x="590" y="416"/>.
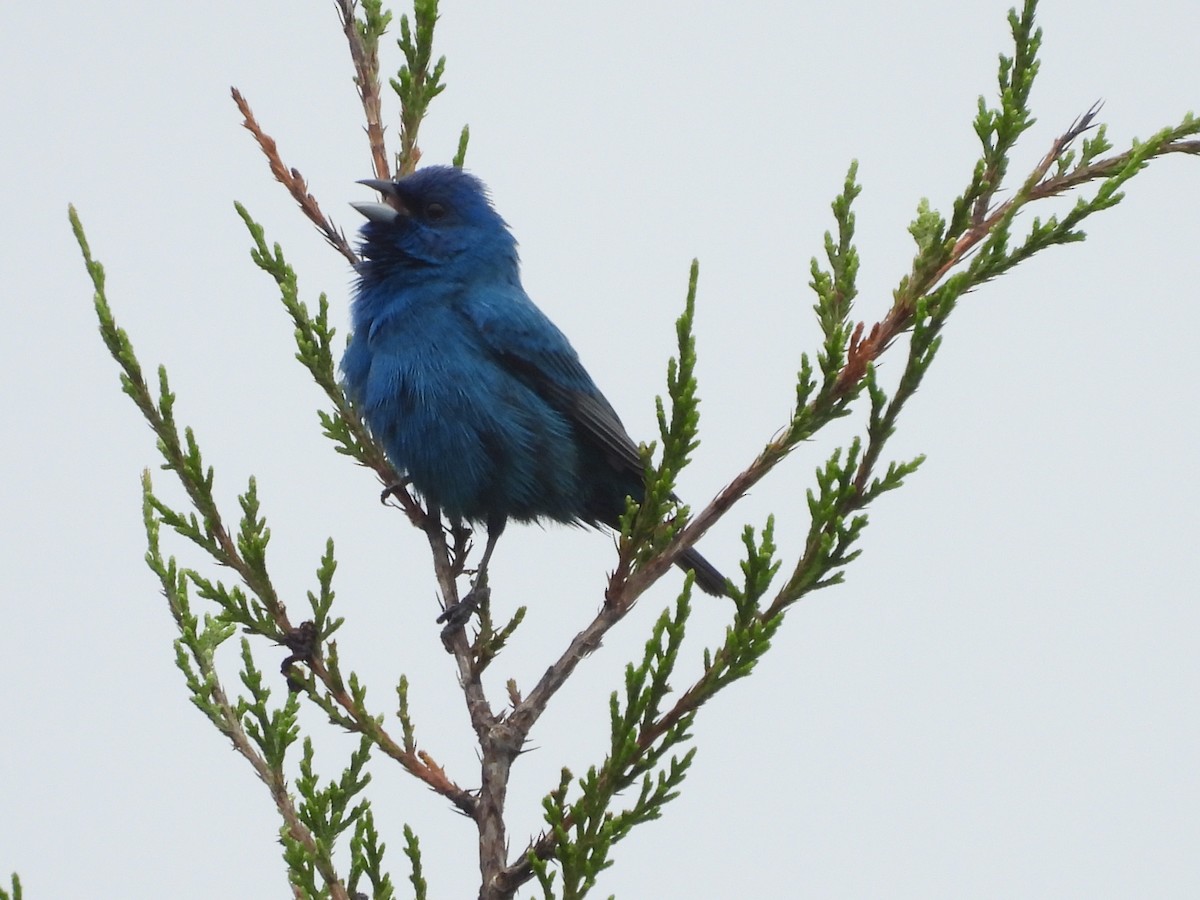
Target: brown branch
<point x="293" y="181"/>
<point x="366" y="79"/>
<point x="505" y="740"/>
<point x="1105" y="168"/>
<point x="497" y="745"/>
<point x="417" y="763"/>
<point x="583" y="644"/>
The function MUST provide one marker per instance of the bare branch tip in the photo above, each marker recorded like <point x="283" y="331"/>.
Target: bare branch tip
<point x="1083" y="123"/>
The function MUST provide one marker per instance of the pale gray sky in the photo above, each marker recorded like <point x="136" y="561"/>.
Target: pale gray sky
<point x="1001" y="701"/>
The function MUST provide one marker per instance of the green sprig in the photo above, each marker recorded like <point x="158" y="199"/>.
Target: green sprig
<point x="366" y="859"/>
<point x="416" y="84"/>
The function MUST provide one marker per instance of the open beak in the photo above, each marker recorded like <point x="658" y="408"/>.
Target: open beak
<point x="387" y="188"/>
<point x="383" y="213"/>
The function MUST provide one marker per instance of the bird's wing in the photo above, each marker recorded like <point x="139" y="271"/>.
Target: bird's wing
<point x="532" y="348"/>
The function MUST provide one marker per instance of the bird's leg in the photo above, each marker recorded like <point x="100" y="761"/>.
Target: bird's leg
<point x="460" y="546"/>
<point x="456" y="616"/>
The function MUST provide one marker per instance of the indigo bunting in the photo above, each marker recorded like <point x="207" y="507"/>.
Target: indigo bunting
<point x="473" y="392"/>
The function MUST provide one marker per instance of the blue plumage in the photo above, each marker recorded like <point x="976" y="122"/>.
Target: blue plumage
<point x="474" y="393"/>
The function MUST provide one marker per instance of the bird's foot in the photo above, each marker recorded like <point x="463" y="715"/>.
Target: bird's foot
<point x="302" y="641"/>
<point x="456" y="616"/>
<point x="460" y="613"/>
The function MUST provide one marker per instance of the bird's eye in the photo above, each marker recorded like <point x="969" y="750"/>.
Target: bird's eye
<point x="435" y="211"/>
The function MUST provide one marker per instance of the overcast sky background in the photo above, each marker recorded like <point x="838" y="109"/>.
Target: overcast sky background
<point x="1002" y="699"/>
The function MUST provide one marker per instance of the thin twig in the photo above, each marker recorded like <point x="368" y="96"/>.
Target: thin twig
<point x="293" y="181"/>
<point x="366" y="79"/>
<point x="417" y="763"/>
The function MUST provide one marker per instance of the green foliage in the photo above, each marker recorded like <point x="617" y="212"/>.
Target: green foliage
<point x="587" y="827"/>
<point x="416" y="83"/>
<point x="15" y="892"/>
<point x="836" y="290"/>
<point x="314" y="350"/>
<point x="373" y="24"/>
<point x="366" y="859"/>
<point x="490" y="641"/>
<point x="650" y="721"/>
<point x="835" y="287"/>
<point x="645" y="530"/>
<point x="460" y="155"/>
<point x="328" y="811"/>
<point x="412" y="849"/>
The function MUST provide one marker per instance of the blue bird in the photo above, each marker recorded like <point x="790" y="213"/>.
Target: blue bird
<point x="473" y="392"/>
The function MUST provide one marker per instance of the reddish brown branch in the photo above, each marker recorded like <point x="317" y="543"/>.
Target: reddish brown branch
<point x="416" y="762"/>
<point x="293" y="181"/>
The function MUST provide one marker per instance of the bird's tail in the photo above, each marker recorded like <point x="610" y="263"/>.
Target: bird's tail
<point x="708" y="578"/>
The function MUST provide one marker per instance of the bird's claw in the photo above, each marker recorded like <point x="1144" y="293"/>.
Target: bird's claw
<point x="457" y="616"/>
<point x="460" y="613"/>
<point x="303" y="642"/>
<point x="392" y="490"/>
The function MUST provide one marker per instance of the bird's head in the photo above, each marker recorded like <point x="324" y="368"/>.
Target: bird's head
<point x="437" y="217"/>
